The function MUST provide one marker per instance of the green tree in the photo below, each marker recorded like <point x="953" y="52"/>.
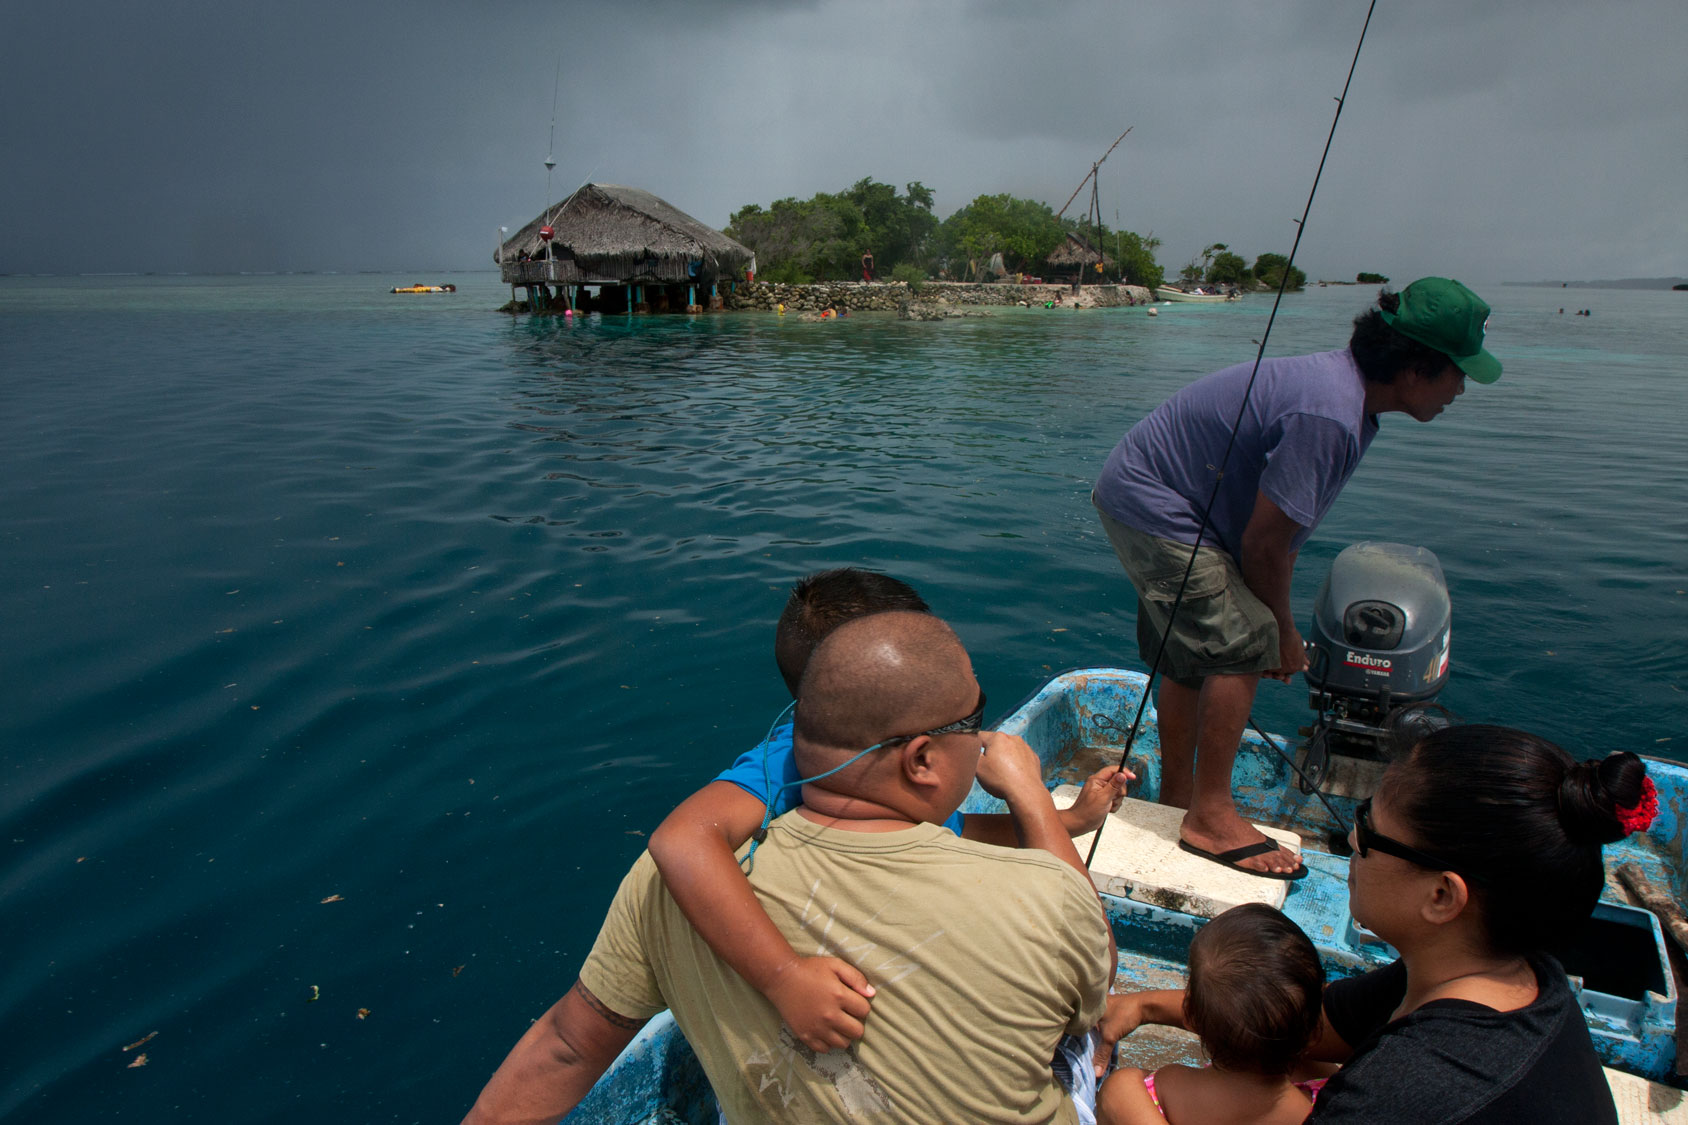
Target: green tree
<point x="825" y="237"/>
<point x="896" y="227"/>
<point x="1136" y="255"/>
<point x="1228" y="269"/>
<point x="1269" y="271"/>
<point x="1200" y="268"/>
<point x="1024" y="231"/>
<point x="1371" y="279"/>
<point x="794" y="239"/>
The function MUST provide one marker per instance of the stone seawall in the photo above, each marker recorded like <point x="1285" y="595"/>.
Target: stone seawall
<point x="893" y="296"/>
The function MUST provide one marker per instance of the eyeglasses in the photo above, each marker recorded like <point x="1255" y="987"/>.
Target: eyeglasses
<point x="969" y="725"/>
<point x="972" y="724"/>
<point x="1366" y="838"/>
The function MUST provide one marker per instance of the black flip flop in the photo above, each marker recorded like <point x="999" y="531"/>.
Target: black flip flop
<point x="1230" y="858"/>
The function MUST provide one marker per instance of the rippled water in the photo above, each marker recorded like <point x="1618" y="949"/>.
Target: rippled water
<point x="315" y="591"/>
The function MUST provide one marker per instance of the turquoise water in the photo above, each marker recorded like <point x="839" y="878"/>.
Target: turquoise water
<point x="313" y="590"/>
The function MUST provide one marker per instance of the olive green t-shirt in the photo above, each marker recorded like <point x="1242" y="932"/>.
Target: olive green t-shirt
<point x="982" y="958"/>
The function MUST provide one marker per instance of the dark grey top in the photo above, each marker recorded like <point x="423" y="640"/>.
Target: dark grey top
<point x="1455" y="1062"/>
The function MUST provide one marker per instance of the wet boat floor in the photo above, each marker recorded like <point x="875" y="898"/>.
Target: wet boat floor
<point x="1151" y="1046"/>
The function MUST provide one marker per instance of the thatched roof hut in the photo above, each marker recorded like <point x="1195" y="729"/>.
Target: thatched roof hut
<point x="607" y="234"/>
<point x="1075" y="251"/>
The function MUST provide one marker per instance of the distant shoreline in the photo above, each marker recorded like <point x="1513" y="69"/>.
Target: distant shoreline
<point x="1618" y="283"/>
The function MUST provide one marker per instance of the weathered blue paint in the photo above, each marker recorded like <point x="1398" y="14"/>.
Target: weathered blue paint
<point x="655" y="1081"/>
<point x="1621" y="976"/>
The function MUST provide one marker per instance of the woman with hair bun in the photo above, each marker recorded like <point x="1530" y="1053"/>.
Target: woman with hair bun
<point x="1479" y="853"/>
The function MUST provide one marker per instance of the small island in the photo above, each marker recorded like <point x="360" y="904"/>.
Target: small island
<point x="869" y="247"/>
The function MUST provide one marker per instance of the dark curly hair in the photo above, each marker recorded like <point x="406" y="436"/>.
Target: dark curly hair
<point x="1521" y="820"/>
<point x="1382" y="354"/>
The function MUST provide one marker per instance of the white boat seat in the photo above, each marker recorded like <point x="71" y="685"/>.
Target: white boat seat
<point x="1139" y="859"/>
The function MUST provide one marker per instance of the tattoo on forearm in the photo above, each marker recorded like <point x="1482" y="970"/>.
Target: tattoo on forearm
<point x="611" y="1016"/>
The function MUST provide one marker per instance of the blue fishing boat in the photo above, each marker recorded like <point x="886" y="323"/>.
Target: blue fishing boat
<point x="1378" y="647"/>
<point x="1078" y="721"/>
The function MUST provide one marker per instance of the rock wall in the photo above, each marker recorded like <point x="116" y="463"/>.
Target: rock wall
<point x="890" y="296"/>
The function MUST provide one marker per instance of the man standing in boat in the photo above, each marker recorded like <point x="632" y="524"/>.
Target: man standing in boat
<point x="971" y="996"/>
<point x="1293" y="440"/>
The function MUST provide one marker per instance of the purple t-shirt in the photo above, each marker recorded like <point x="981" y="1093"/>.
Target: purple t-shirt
<point x="1301" y="438"/>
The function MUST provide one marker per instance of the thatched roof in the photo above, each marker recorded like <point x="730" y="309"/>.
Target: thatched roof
<point x="606" y="233"/>
<point x="1075" y="251"/>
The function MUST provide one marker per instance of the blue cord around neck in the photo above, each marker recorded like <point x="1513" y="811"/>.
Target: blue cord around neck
<point x="749" y="861"/>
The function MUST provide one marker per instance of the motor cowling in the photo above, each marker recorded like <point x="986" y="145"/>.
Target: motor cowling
<point x="1380" y="626"/>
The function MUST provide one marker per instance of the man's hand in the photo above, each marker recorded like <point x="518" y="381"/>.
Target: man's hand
<point x="1009" y="768"/>
<point x="823" y="1000"/>
<point x="1127" y="1011"/>
<point x="1102" y="793"/>
<point x="1292" y="654"/>
<point x="1124" y="1015"/>
<point x="1267" y="562"/>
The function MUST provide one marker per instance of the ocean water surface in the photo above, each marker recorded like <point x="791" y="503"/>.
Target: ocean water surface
<point x="354" y="642"/>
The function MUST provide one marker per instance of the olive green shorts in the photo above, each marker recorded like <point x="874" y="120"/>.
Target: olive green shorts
<point x="1222" y="629"/>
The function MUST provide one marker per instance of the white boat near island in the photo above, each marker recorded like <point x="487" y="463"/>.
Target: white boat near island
<point x="1198" y="295"/>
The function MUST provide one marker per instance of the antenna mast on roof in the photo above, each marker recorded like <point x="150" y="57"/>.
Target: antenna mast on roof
<point x="551" y="146"/>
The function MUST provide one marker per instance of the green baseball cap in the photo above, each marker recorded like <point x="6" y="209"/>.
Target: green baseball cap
<point x="1443" y="314"/>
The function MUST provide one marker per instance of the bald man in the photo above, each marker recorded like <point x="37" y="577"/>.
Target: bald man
<point x="981" y="957"/>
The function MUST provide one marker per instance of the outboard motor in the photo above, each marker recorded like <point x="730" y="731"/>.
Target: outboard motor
<point x="1377" y="654"/>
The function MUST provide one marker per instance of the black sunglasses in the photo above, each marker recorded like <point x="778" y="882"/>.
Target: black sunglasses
<point x="972" y="724"/>
<point x="1366" y="837"/>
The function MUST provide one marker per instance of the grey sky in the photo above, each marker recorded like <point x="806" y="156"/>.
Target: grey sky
<point x="1498" y="139"/>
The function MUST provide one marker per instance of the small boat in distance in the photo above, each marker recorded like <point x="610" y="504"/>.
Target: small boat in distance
<point x="420" y="288"/>
<point x="1201" y="294"/>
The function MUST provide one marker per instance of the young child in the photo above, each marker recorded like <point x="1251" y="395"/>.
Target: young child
<point x="822" y="999"/>
<point x="1254" y="998"/>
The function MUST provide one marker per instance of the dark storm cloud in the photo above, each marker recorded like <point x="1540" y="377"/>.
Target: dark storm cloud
<point x="1507" y="139"/>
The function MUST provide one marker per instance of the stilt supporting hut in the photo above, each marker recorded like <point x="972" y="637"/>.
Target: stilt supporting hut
<point x="640" y="252"/>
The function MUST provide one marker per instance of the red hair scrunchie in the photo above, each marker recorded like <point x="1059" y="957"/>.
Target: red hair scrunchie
<point x="1639" y="816"/>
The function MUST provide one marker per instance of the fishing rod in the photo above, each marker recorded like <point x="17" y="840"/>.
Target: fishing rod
<point x="1248" y="390"/>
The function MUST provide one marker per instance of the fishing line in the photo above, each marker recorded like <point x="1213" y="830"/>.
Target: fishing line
<point x="1248" y="390"/>
<point x="1276" y="744"/>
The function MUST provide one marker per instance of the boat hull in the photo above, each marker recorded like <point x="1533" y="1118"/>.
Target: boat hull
<point x="1165" y="294"/>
